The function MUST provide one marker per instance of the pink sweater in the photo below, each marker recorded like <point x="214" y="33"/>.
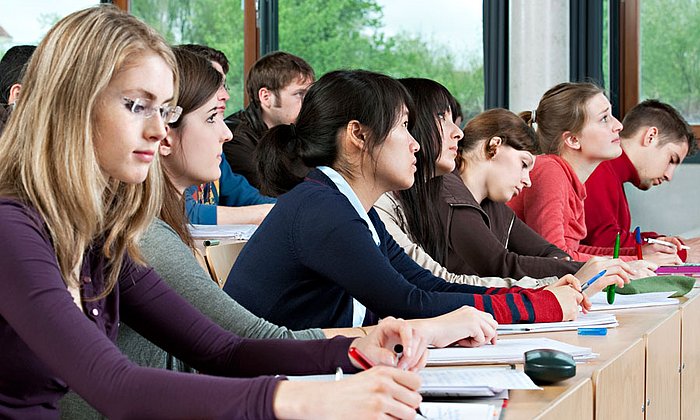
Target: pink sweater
<point x="553" y="207"/>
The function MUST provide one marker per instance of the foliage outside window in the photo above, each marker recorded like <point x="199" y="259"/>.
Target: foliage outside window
<point x="352" y="34"/>
<point x="216" y="23"/>
<point x="670" y="54"/>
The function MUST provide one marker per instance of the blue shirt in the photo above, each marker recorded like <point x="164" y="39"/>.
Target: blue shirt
<point x="234" y="191"/>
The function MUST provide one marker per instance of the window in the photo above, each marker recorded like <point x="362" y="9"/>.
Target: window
<point x="26" y="22"/>
<point x="440" y="40"/>
<point x="215" y="23"/>
<point x="670" y="54"/>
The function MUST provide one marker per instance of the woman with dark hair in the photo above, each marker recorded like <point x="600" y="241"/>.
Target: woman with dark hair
<point x="411" y="216"/>
<point x="322" y="257"/>
<point x="483" y="235"/>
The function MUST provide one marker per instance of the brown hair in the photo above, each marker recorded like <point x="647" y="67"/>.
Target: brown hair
<point x="274" y="71"/>
<point x="498" y="122"/>
<point x="562" y="108"/>
<point x="199" y="82"/>
<point x="673" y="128"/>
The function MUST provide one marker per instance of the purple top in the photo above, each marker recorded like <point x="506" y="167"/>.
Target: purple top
<point x="48" y="344"/>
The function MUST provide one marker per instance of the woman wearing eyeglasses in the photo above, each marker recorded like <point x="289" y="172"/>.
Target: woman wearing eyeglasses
<point x="76" y="192"/>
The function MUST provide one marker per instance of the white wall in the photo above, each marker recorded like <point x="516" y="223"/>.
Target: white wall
<point x="671" y="208"/>
<point x="538" y="51"/>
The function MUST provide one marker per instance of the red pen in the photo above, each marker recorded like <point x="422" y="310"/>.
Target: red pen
<point x="638" y="242"/>
<point x="360" y="358"/>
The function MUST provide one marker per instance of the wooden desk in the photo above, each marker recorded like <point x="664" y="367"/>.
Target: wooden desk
<point x="648" y="368"/>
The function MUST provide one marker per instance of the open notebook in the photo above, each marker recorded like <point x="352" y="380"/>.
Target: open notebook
<point x="510" y="350"/>
<point x="238" y="232"/>
<point x="589" y="320"/>
<point x="640" y="300"/>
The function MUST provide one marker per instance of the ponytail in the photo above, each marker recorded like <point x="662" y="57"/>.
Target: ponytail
<point x="280" y="166"/>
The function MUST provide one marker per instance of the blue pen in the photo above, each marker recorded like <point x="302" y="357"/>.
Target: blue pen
<point x="593" y="279"/>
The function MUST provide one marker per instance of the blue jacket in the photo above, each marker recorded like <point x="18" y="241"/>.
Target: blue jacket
<point x="234" y="190"/>
<point x="313" y="253"/>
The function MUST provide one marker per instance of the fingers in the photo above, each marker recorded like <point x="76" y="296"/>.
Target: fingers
<point x="392" y="392"/>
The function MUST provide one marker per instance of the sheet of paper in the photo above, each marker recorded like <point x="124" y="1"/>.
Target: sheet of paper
<point x="241" y="232"/>
<point x="600" y="320"/>
<point x="456" y="411"/>
<point x="506" y="351"/>
<point x="498" y="378"/>
<point x="639" y="300"/>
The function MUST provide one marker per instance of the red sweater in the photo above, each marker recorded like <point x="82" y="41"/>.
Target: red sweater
<point x="553" y="207"/>
<point x="607" y="210"/>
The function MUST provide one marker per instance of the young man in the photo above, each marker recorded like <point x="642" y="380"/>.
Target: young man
<point x="231" y="199"/>
<point x="655" y="140"/>
<point x="276" y="86"/>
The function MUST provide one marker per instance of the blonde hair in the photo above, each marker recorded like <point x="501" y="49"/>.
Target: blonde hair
<point x="47" y="156"/>
<point x="562" y="108"/>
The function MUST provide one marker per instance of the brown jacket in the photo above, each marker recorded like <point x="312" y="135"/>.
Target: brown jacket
<point x="487" y="239"/>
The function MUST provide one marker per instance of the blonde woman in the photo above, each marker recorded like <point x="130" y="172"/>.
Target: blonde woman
<point x="73" y="201"/>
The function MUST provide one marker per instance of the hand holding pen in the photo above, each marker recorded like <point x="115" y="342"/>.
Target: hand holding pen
<point x="379" y="344"/>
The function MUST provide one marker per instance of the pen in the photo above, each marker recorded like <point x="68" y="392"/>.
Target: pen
<point x="366" y="363"/>
<point x="665" y="243"/>
<point x="360" y="358"/>
<point x="593" y="279"/>
<point x="638" y="242"/>
<point x="610" y="290"/>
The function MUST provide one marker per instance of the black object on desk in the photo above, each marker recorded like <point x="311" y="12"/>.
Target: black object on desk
<point x="546" y="366"/>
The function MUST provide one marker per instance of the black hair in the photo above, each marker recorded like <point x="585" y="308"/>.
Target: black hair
<point x="418" y="202"/>
<point x="288" y="151"/>
<point x="12" y="68"/>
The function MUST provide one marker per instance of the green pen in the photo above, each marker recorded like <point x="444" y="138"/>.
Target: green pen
<point x="610" y="290"/>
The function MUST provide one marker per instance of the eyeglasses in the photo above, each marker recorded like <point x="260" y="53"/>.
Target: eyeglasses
<point x="143" y="108"/>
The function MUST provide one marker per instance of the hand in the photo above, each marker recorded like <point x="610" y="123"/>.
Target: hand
<point x="661" y="254"/>
<point x="614" y="267"/>
<point x="642" y="268"/>
<point x="381" y="392"/>
<point x="379" y="344"/>
<point x="569" y="299"/>
<point x="694" y="251"/>
<point x="466" y="327"/>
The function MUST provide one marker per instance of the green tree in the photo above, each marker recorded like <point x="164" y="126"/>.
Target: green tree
<point x="216" y="23"/>
<point x="670" y="54"/>
<point x="347" y="34"/>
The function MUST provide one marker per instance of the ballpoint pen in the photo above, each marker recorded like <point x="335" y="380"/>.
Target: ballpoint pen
<point x="610" y="290"/>
<point x="665" y="243"/>
<point x="638" y="242"/>
<point x="592" y="280"/>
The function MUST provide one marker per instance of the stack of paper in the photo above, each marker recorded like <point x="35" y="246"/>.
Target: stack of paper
<point x="239" y="232"/>
<point x="588" y="320"/>
<point x="472" y="382"/>
<point x="456" y="411"/>
<point x="639" y="300"/>
<point x="505" y="351"/>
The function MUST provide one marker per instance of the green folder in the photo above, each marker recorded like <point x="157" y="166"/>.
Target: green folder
<point x="680" y="284"/>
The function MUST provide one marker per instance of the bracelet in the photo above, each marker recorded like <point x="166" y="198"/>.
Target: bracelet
<point x="363" y="330"/>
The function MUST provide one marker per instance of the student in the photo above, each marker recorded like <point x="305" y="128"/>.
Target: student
<point x="322" y="257"/>
<point x="169" y="249"/>
<point x="230" y="199"/>
<point x="577" y="131"/>
<point x="276" y="85"/>
<point x="654" y="141"/>
<point x="494" y="159"/>
<point x="411" y="216"/>
<point x="95" y="98"/>
<point x="11" y="69"/>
